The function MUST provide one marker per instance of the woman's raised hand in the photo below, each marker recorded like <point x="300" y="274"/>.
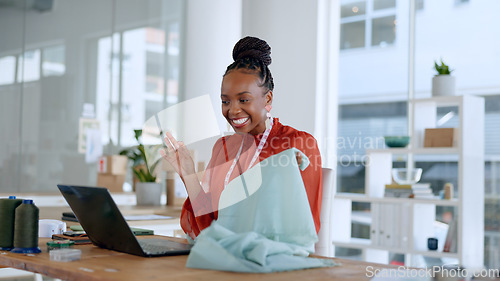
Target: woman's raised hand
<point x="177" y="154"/>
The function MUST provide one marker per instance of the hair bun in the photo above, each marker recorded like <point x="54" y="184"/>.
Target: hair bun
<point x="252" y="47"/>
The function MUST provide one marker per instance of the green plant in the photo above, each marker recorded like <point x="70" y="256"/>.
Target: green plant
<point x="138" y="155"/>
<point x="442" y="69"/>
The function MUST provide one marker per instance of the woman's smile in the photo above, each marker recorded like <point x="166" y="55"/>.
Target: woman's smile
<point x="240" y="122"/>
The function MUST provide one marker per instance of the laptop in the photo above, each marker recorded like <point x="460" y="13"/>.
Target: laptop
<point x="106" y="227"/>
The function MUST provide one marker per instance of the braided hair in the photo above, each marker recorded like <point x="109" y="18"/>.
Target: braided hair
<point x="253" y="55"/>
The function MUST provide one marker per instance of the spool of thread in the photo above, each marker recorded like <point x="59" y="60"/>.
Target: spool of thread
<point x="448" y="191"/>
<point x="26" y="228"/>
<point x="7" y="216"/>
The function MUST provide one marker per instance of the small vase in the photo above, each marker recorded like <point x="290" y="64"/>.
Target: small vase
<point x="148" y="193"/>
<point x="443" y="85"/>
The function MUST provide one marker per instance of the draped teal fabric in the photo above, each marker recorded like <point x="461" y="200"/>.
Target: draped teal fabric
<point x="264" y="222"/>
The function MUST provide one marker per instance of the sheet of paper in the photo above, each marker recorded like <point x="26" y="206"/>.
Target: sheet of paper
<point x="146" y="217"/>
<point x="93" y="146"/>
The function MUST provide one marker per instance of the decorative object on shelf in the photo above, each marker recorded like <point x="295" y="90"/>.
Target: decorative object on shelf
<point x="417" y="191"/>
<point x="406" y="176"/>
<point x="143" y="173"/>
<point x="432" y="243"/>
<point x="448" y="191"/>
<point x="443" y="84"/>
<point x="440" y="137"/>
<point x="450" y="244"/>
<point x="397" y="141"/>
<point x="397" y="190"/>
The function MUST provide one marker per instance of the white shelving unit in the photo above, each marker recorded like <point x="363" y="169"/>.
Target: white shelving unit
<point x="402" y="225"/>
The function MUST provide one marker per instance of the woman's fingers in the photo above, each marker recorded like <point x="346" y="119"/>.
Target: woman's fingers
<point x="163" y="153"/>
<point x="172" y="140"/>
<point x="169" y="147"/>
<point x="179" y="157"/>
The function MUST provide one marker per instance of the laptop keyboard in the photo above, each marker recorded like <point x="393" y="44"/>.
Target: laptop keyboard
<point x="158" y="246"/>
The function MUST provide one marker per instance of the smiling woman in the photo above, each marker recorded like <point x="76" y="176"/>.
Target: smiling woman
<point x="244" y="102"/>
<point x="247" y="96"/>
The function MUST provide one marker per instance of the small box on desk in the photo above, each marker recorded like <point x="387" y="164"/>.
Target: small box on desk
<point x="112" y="165"/>
<point x="441" y="137"/>
<point x="112" y="182"/>
<point x="176" y="192"/>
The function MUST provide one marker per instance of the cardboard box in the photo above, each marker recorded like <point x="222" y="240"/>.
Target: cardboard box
<point x="112" y="165"/>
<point x="442" y="137"/>
<point x="112" y="182"/>
<point x="176" y="192"/>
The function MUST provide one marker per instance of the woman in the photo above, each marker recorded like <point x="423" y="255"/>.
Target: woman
<point x="247" y="96"/>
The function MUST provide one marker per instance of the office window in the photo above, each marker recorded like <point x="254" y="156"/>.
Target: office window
<point x="155" y="61"/>
<point x="8" y="67"/>
<point x="352" y="35"/>
<point x="146" y="63"/>
<point x="367" y="24"/>
<point x="383" y="4"/>
<point x="106" y="60"/>
<point x="348" y="9"/>
<point x="154" y="72"/>
<point x="419" y="5"/>
<point x="383" y="31"/>
<point x="361" y="127"/>
<point x="28" y="68"/>
<point x="54" y="61"/>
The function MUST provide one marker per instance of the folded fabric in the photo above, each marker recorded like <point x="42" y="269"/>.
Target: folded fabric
<point x="270" y="199"/>
<point x="218" y="248"/>
<point x="264" y="223"/>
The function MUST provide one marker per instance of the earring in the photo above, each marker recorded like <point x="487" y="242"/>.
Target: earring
<point x="268" y="108"/>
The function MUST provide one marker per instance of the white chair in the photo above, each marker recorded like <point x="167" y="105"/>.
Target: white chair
<point x="324" y="245"/>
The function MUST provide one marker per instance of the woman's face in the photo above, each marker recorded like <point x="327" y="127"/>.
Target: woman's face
<point x="244" y="101"/>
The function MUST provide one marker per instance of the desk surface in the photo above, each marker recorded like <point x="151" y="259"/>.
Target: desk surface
<point x="101" y="264"/>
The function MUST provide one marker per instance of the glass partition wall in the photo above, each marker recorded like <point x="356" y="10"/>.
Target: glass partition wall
<point x="121" y="59"/>
<point x="373" y="91"/>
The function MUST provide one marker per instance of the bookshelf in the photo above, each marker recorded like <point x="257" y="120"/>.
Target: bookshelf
<point x="402" y="225"/>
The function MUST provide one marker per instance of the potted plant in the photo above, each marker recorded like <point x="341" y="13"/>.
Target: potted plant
<point x="443" y="84"/>
<point x="148" y="190"/>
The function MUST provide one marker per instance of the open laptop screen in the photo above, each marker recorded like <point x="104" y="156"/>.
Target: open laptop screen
<point x="100" y="218"/>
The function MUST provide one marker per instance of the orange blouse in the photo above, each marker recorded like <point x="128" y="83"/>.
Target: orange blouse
<point x="224" y="151"/>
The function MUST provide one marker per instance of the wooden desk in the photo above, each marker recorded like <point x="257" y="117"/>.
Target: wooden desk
<point x="99" y="264"/>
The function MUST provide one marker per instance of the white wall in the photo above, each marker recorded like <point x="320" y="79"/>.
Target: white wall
<point x="290" y="28"/>
<point x="212" y="29"/>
